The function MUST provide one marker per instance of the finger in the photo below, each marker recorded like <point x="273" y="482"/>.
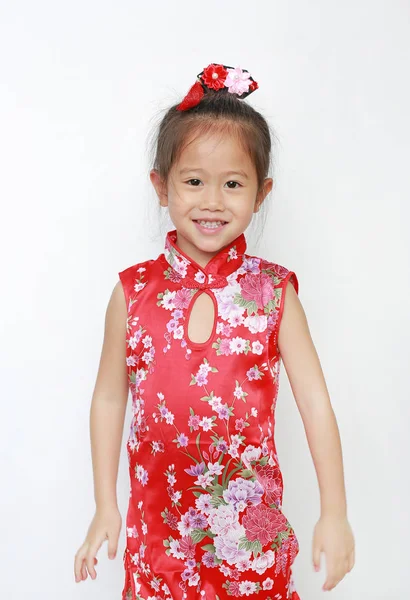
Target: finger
<point x="334" y="577"/>
<point x="350" y="561"/>
<point x="78" y="560"/>
<point x="316" y="558"/>
<point x="90" y="563"/>
<point x="90" y="559"/>
<point x="84" y="573"/>
<point x="112" y="545"/>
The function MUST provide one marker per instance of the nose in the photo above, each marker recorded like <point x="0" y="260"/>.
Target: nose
<point x="212" y="199"/>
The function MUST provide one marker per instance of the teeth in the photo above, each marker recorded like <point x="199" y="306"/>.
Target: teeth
<point x="211" y="224"/>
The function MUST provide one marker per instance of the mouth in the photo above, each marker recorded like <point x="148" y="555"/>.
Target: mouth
<point x="210" y="224"/>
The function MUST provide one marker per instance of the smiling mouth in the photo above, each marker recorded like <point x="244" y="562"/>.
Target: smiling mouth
<point x="210" y="221"/>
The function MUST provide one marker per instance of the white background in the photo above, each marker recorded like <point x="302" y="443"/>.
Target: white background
<point x="81" y="87"/>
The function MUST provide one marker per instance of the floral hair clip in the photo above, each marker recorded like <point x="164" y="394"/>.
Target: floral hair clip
<point x="217" y="77"/>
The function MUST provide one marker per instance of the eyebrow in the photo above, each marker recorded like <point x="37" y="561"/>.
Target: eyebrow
<point x="239" y="172"/>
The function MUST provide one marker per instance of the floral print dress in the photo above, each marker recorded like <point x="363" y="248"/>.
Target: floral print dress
<point x="204" y="518"/>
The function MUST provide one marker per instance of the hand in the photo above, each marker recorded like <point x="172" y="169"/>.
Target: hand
<point x="333" y="536"/>
<point x="106" y="524"/>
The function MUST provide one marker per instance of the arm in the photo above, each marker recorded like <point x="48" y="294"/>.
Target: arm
<point x="109" y="402"/>
<point x="107" y="414"/>
<point x="307" y="381"/>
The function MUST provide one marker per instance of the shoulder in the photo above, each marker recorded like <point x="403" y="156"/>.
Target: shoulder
<point x="135" y="270"/>
<point x="133" y="279"/>
<point x="279" y="274"/>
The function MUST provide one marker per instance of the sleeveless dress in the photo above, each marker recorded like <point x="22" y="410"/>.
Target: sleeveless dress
<point x="204" y="518"/>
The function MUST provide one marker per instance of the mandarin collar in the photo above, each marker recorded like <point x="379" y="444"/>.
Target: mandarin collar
<point x="214" y="274"/>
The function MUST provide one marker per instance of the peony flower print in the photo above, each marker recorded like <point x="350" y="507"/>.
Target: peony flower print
<point x="263" y="523"/>
<point x="257" y="289"/>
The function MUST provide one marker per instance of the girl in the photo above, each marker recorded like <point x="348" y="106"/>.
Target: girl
<point x="197" y="334"/>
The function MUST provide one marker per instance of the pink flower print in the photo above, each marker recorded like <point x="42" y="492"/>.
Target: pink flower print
<point x="182" y="298"/>
<point x="237" y="81"/>
<point x="271" y="481"/>
<point x="251" y="264"/>
<point x="227" y="546"/>
<point x="182" y="440"/>
<point x="184" y="525"/>
<point x="243" y="565"/>
<point x="168" y="300"/>
<point x="199" y="277"/>
<point x="233" y="588"/>
<point x="196" y="470"/>
<point x="236" y="317"/>
<point x="232" y="253"/>
<point x="132" y="532"/>
<point x="131" y="360"/>
<point x="174" y="276"/>
<point x="203" y="503"/>
<point x="187" y="546"/>
<point x="194" y="579"/>
<point x="186" y="574"/>
<point x="222" y="519"/>
<point x="267" y="584"/>
<point x="263" y="523"/>
<point x="257" y="348"/>
<point x="242" y="492"/>
<point x="198" y="521"/>
<point x="227" y="330"/>
<point x="201" y="378"/>
<point x="280" y="271"/>
<point x="215" y="468"/>
<point x="170" y="519"/>
<point x="139" y="286"/>
<point x="264" y="561"/>
<point x="205" y="480"/>
<point x="207" y="423"/>
<point x="193" y="422"/>
<point x="172" y="325"/>
<point x="256" y="323"/>
<point x="247" y="588"/>
<point x="239" y="424"/>
<point x="237" y="344"/>
<point x="222" y="446"/>
<point x="223" y="411"/>
<point x="215" y="402"/>
<point x="257" y="288"/>
<point x="178" y="333"/>
<point x="253" y="374"/>
<point x="209" y="559"/>
<point x="191" y="563"/>
<point x="225" y="347"/>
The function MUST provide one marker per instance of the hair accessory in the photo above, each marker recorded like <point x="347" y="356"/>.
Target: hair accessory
<point x="217" y="77"/>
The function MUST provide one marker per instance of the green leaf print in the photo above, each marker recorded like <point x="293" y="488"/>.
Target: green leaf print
<point x="198" y="535"/>
<point x="217" y="501"/>
<point x="209" y="548"/>
<point x="255" y="547"/>
<point x="251" y="305"/>
<point x="247" y="473"/>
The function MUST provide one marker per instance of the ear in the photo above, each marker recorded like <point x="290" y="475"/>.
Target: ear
<point x="267" y="187"/>
<point x="160" y="187"/>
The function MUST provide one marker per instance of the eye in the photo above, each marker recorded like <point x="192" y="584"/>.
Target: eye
<point x="193" y="180"/>
<point x="234" y="188"/>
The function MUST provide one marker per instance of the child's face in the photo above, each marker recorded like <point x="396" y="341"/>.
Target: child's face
<point x="214" y="180"/>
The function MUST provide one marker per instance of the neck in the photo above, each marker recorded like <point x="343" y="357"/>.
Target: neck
<point x="199" y="256"/>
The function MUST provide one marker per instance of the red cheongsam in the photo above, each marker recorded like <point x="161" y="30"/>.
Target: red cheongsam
<point x="204" y="519"/>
